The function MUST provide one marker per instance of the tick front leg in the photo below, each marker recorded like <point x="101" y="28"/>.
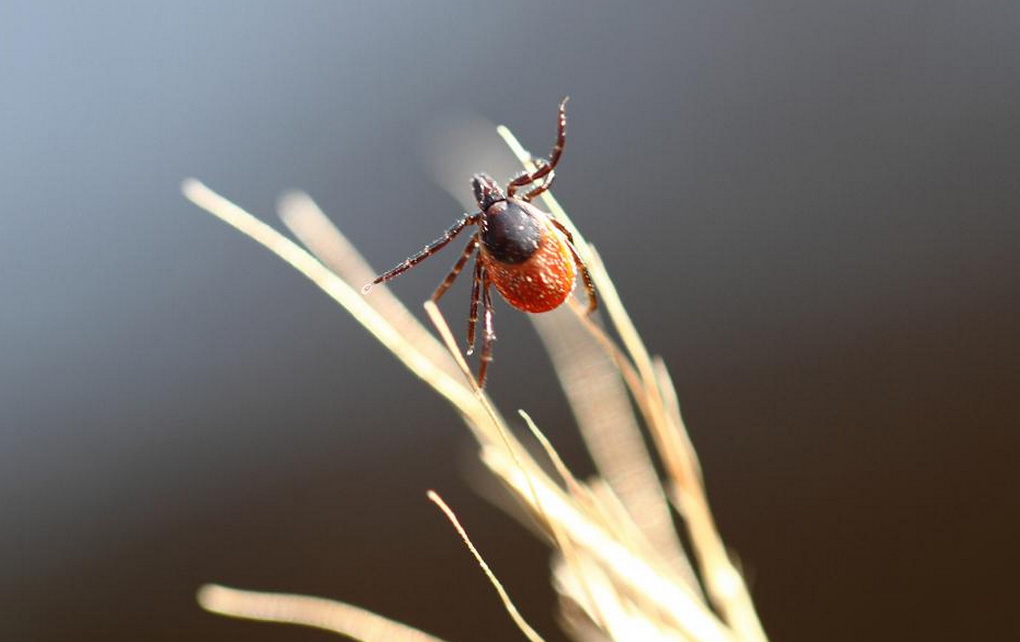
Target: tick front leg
<point x="554" y="157"/>
<point x="546" y="184"/>
<point x="426" y="252"/>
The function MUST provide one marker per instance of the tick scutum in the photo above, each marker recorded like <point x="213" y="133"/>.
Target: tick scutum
<point x="511" y="233"/>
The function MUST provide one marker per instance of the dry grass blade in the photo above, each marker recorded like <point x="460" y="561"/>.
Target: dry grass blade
<point x="633" y="574"/>
<point x="341" y="291"/>
<point x="532" y="474"/>
<point x="621" y="618"/>
<point x="518" y="619"/>
<point x="598" y="398"/>
<point x="324" y="240"/>
<point x="618" y="565"/>
<point x="725" y="586"/>
<point x="315" y="612"/>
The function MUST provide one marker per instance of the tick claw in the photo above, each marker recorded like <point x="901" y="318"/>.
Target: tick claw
<point x="367" y="288"/>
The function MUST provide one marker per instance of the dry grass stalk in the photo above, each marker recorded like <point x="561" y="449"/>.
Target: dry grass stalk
<point x="316" y="612"/>
<point x="508" y="603"/>
<point x="619" y="567"/>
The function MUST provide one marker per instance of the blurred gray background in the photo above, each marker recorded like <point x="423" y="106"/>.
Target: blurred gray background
<point x="810" y="209"/>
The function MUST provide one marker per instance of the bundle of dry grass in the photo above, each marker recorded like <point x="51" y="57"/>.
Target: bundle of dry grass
<point x="618" y="565"/>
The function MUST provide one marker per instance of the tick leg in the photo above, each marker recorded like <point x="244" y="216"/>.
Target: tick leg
<point x="554" y="157"/>
<point x="489" y="336"/>
<point x="541" y="188"/>
<point x="476" y="289"/>
<point x="426" y="252"/>
<point x="458" y="266"/>
<point x="540" y="164"/>
<point x="589" y="287"/>
<point x="593" y="301"/>
<point x="563" y="228"/>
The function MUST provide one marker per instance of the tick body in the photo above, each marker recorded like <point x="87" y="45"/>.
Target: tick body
<point x="526" y="257"/>
<point x="525" y="253"/>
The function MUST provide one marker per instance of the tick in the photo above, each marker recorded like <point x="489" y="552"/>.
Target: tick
<point x="525" y="253"/>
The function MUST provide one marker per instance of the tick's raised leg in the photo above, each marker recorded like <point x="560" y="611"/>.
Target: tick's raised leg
<point x="457" y="267"/>
<point x="476" y="289"/>
<point x="593" y="301"/>
<point x="426" y="252"/>
<point x="489" y="335"/>
<point x="554" y="157"/>
<point x="546" y="184"/>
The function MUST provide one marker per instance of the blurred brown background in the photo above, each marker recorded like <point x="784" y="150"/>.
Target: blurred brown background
<point x="811" y="210"/>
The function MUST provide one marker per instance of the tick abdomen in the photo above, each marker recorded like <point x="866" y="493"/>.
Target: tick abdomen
<point x="527" y="258"/>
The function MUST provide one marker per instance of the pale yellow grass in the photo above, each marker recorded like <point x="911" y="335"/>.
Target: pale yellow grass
<point x="618" y="564"/>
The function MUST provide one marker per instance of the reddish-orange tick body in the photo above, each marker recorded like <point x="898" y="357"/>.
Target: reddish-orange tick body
<point x="526" y="254"/>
